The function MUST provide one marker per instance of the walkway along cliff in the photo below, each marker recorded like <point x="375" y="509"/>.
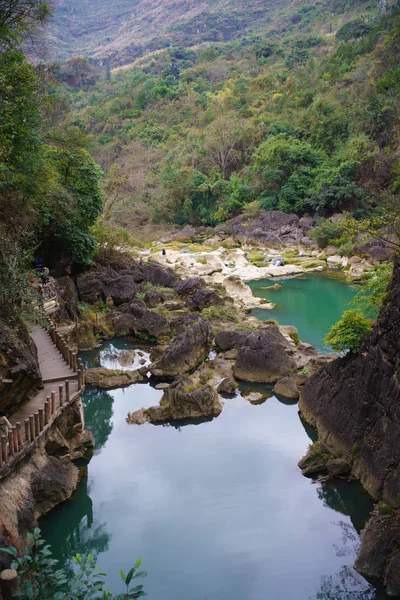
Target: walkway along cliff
<point x="36" y="472"/>
<point x="354" y="402"/>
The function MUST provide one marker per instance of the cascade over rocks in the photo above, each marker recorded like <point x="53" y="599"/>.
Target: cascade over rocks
<point x="187" y="350"/>
<point x="354" y="402"/>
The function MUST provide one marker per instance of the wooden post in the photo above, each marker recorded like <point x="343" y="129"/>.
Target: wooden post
<point x="67" y="392"/>
<point x="61" y="394"/>
<point x="8" y="583"/>
<point x="79" y="379"/>
<point x="1" y="458"/>
<point x="19" y="435"/>
<point x="53" y="334"/>
<point x="32" y="427"/>
<point x="74" y="367"/>
<point x="15" y="439"/>
<point x="47" y="411"/>
<point x="70" y="357"/>
<point x="11" y="442"/>
<point x="53" y="403"/>
<point x="37" y="425"/>
<point x="27" y="431"/>
<point x="4" y="447"/>
<point x="41" y="418"/>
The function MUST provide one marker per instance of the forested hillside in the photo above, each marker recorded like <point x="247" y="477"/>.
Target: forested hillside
<point x="123" y="30"/>
<point x="296" y="121"/>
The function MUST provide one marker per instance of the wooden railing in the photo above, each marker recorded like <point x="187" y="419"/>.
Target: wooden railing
<point x="24" y="436"/>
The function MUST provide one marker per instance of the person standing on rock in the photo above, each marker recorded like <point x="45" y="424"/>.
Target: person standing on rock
<point x="5" y="424"/>
<point x="163" y="252"/>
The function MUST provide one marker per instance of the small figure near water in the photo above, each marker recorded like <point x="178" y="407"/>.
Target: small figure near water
<point x="5" y="424"/>
<point x="163" y="252"/>
<point x="45" y="275"/>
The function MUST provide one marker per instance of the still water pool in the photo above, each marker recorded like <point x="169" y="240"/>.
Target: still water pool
<point x="217" y="510"/>
<point x="312" y="303"/>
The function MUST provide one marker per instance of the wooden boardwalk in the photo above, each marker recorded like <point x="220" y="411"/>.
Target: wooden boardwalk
<point x="54" y="370"/>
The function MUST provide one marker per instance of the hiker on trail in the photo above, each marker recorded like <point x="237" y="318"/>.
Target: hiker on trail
<point x="45" y="275"/>
<point x="5" y="424"/>
<point x="40" y="296"/>
<point x="163" y="252"/>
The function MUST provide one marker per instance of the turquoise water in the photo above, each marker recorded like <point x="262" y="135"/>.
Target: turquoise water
<point x="312" y="303"/>
<point x="217" y="510"/>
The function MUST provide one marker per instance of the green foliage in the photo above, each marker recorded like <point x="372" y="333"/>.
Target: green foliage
<point x="346" y="335"/>
<point x="353" y="30"/>
<point x="40" y="578"/>
<point x="327" y="232"/>
<point x="109" y="238"/>
<point x="373" y="291"/>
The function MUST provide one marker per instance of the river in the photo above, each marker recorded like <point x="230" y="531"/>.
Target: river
<point x="217" y="510"/>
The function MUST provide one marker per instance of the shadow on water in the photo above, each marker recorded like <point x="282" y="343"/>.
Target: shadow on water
<point x="72" y="525"/>
<point x="98" y="413"/>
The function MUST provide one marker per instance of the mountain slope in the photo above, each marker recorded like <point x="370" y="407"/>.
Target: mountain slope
<point x="126" y="29"/>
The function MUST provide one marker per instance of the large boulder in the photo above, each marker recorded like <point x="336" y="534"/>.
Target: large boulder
<point x="188" y="349"/>
<point x="273" y="228"/>
<point x="262" y="356"/>
<point x="188" y="287"/>
<point x="120" y="282"/>
<point x="379" y="557"/>
<point x="139" y="321"/>
<point x="18" y="364"/>
<point x="111" y="378"/>
<point x="287" y="388"/>
<point x="180" y="402"/>
<point x="67" y="295"/>
<point x="203" y="299"/>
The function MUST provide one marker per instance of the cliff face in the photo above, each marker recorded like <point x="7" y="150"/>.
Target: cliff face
<point x="354" y="402"/>
<point x="19" y="363"/>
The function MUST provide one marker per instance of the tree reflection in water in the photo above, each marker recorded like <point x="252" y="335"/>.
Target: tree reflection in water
<point x="344" y="497"/>
<point x="75" y="531"/>
<point x="98" y="413"/>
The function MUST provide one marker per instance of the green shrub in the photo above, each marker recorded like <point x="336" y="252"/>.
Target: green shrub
<point x="40" y="578"/>
<point x="346" y="249"/>
<point x="346" y="335"/>
<point x="326" y="232"/>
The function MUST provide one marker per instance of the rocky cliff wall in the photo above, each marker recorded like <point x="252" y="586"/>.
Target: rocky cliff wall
<point x="46" y="479"/>
<point x="354" y="402"/>
<point x="19" y="363"/>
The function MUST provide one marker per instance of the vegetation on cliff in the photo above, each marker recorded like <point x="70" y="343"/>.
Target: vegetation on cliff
<point x="49" y="185"/>
<point x="303" y="120"/>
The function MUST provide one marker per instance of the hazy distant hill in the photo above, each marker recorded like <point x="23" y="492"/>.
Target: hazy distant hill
<point x="126" y="29"/>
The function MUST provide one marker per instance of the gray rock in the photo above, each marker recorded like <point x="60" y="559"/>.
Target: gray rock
<point x="188" y="349"/>
<point x="227" y="386"/>
<point x="110" y="378"/>
<point x="203" y="299"/>
<point x="153" y="298"/>
<point x="188" y="287"/>
<point x="287" y="388"/>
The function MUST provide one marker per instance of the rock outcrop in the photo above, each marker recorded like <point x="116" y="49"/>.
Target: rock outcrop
<point x="273" y="228"/>
<point x="18" y="364"/>
<point x="187" y="350"/>
<point x="354" y="402"/>
<point x="180" y="402"/>
<point x="109" y="378"/>
<point x="262" y="356"/>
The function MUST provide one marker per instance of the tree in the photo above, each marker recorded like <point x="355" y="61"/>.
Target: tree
<point x="346" y="335"/>
<point x="19" y="16"/>
<point x="225" y="140"/>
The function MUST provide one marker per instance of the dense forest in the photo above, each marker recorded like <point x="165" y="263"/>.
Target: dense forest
<point x="304" y="123"/>
<point x="299" y="119"/>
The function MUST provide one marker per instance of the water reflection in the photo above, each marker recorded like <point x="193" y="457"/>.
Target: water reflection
<point x="98" y="414"/>
<point x="340" y="495"/>
<point x="72" y="527"/>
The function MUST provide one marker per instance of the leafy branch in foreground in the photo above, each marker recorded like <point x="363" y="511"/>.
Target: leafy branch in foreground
<point x="39" y="577"/>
